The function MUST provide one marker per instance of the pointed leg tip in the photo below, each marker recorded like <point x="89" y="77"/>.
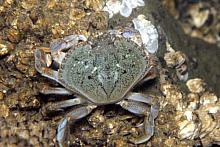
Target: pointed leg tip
<point x="144" y="138"/>
<point x="141" y="139"/>
<point x="62" y="133"/>
<point x="155" y="110"/>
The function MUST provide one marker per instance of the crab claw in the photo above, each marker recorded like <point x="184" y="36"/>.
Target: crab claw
<point x="42" y="59"/>
<point x="41" y="65"/>
<point x="58" y="46"/>
<point x="66" y="43"/>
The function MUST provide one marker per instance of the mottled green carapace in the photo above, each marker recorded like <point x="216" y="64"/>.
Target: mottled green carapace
<point x="105" y="71"/>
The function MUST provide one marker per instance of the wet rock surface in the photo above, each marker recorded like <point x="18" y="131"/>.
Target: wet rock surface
<point x="188" y="116"/>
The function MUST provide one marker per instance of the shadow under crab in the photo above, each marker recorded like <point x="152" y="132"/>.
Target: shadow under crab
<point x="98" y="72"/>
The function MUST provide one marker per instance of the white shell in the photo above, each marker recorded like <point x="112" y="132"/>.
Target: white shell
<point x="125" y="7"/>
<point x="148" y="31"/>
<point x="112" y="7"/>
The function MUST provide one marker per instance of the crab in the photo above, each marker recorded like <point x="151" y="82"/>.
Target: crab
<point x="98" y="71"/>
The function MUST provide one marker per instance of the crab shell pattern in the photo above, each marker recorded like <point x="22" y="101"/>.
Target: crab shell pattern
<point x="98" y="71"/>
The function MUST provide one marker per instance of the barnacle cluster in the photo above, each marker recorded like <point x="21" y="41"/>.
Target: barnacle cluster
<point x="196" y="110"/>
<point x="177" y="60"/>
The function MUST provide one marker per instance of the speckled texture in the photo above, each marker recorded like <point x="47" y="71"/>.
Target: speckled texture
<point x="28" y="24"/>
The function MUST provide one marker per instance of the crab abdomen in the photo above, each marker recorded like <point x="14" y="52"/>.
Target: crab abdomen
<point x="104" y="73"/>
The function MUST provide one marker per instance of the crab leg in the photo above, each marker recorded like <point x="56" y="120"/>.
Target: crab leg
<point x="145" y="99"/>
<point x="63" y="129"/>
<point x="140" y="108"/>
<point x="151" y="72"/>
<point x="55" y="90"/>
<point x="149" y="75"/>
<point x="140" y="98"/>
<point x="58" y="106"/>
